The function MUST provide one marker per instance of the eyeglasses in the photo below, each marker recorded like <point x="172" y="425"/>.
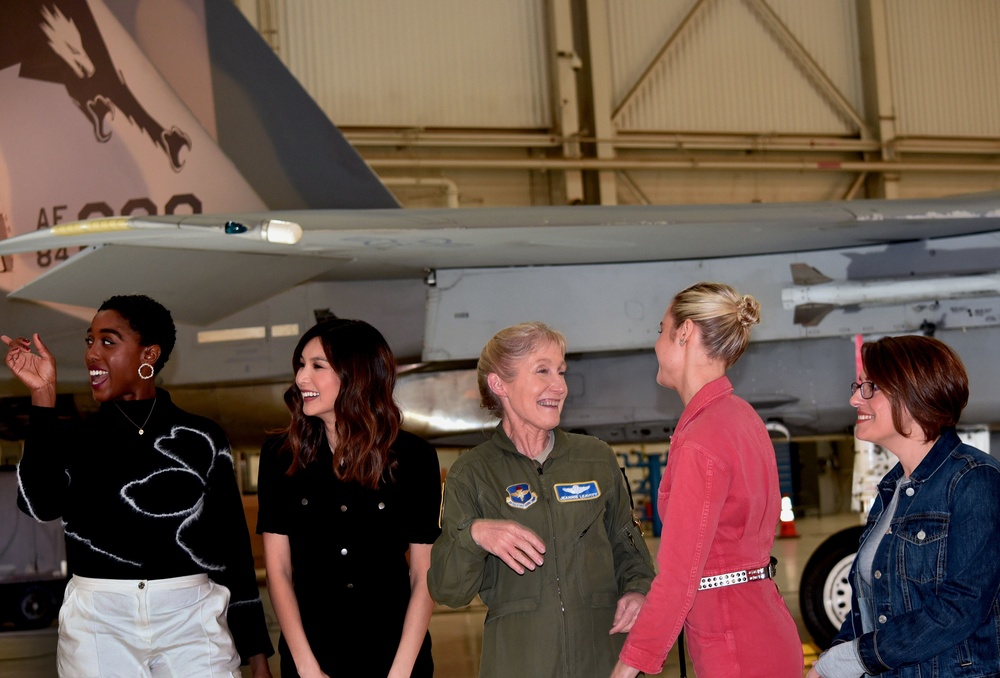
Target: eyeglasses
<point x="867" y="389"/>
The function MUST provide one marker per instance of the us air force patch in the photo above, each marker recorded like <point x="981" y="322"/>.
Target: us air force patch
<point x="577" y="491"/>
<point x="520" y="496"/>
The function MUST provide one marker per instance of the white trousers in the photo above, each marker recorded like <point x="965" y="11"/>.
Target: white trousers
<point x="155" y="628"/>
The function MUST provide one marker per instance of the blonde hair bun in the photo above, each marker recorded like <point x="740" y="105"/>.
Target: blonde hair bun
<point x="748" y="311"/>
<point x="723" y="315"/>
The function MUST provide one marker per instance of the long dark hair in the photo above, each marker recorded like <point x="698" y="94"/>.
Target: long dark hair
<point x="368" y="418"/>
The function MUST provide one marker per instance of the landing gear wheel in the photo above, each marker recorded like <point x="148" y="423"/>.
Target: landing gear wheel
<point x="36" y="608"/>
<point x="825" y="590"/>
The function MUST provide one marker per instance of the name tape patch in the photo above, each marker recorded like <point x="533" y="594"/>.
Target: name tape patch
<point x="580" y="491"/>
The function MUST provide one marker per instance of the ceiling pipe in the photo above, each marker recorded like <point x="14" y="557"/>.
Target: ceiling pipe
<point x="617" y="164"/>
<point x="449" y="186"/>
<point x="679" y="142"/>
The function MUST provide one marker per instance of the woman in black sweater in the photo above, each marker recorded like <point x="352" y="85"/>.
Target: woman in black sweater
<point x="163" y="579"/>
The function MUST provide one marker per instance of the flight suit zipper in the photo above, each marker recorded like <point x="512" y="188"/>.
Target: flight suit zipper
<point x="546" y="492"/>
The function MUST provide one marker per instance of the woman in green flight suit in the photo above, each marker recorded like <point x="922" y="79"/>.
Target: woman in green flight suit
<point x="538" y="522"/>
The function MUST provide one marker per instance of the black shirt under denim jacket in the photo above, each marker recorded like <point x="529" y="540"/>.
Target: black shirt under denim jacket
<point x="936" y="573"/>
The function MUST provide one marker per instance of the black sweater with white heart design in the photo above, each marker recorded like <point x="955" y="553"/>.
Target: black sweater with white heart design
<point x="155" y="505"/>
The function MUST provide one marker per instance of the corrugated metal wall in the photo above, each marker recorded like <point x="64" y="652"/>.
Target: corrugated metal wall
<point x="758" y="81"/>
<point x="483" y="64"/>
<point x="945" y="67"/>
<point x="725" y="72"/>
<point x="432" y="63"/>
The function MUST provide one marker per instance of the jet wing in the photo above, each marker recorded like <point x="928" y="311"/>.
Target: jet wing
<point x="197" y="285"/>
<point x="178" y="259"/>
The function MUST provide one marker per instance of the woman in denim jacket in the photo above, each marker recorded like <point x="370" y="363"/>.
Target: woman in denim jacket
<point x="926" y="578"/>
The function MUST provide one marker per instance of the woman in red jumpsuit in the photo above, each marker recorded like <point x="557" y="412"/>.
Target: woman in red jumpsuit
<point x="720" y="504"/>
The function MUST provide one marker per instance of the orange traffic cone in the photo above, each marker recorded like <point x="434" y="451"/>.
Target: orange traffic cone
<point x="787" y="523"/>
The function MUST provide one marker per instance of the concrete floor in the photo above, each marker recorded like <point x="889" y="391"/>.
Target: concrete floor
<point x="457" y="634"/>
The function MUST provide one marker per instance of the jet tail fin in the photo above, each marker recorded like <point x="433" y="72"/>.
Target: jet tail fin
<point x="274" y="132"/>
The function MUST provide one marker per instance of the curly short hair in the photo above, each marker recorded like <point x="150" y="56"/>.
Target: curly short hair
<point x="149" y="319"/>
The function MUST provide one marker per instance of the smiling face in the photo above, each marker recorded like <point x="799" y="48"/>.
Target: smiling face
<point x="874" y="418"/>
<point x="534" y="398"/>
<point x="114" y="354"/>
<point x="318" y="383"/>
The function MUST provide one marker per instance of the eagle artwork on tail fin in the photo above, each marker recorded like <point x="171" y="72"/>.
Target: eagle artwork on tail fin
<point x="58" y="41"/>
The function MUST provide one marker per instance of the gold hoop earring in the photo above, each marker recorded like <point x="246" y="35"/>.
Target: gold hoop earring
<point x="152" y="371"/>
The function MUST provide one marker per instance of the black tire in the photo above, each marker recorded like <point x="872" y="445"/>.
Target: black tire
<point x="825" y="590"/>
<point x="36" y="607"/>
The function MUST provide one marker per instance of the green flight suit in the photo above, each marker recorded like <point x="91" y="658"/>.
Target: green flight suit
<point x="552" y="621"/>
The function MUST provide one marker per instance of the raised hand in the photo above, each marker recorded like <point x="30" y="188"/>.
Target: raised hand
<point x="509" y="541"/>
<point x="36" y="371"/>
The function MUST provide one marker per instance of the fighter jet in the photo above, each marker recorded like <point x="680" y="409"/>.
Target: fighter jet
<point x="265" y="219"/>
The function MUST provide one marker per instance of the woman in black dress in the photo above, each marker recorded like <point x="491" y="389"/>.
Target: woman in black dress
<point x="345" y="496"/>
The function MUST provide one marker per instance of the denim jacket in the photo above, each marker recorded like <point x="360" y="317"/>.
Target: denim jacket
<point x="936" y="573"/>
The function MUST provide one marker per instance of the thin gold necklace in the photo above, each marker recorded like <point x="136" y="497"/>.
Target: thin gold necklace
<point x="142" y="429"/>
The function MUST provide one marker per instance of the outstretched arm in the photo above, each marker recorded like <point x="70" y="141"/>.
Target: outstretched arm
<point x="36" y="371"/>
<point x="697" y="491"/>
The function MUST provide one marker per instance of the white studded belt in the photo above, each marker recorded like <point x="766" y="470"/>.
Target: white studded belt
<point x="740" y="576"/>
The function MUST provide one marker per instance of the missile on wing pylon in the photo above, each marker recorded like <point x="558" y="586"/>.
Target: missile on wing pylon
<point x="815" y="295"/>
